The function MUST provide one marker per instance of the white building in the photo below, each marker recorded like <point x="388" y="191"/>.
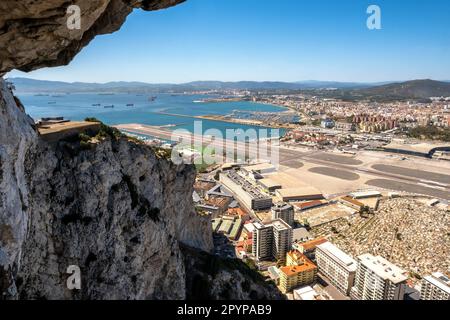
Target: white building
<point x="272" y="240"/>
<point x="378" y="279"/>
<point x="337" y="266"/>
<point x="306" y="293"/>
<point x="435" y="287"/>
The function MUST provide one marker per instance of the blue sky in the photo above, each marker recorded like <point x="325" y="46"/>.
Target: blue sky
<point x="283" y="40"/>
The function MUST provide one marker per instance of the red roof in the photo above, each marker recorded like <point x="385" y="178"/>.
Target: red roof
<point x="308" y="204"/>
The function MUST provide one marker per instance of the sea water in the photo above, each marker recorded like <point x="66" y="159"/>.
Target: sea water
<point x="173" y="111"/>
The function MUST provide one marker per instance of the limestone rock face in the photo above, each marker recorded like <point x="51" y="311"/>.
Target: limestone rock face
<point x="115" y="210"/>
<point x="16" y="137"/>
<point x="35" y="34"/>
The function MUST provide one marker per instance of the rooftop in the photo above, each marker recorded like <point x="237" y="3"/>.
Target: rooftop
<point x="298" y="192"/>
<point x="269" y="183"/>
<point x="439" y="280"/>
<point x="352" y="201"/>
<point x="280" y="225"/>
<point x="282" y="206"/>
<point x="306" y="265"/>
<point x="383" y="268"/>
<point x="365" y="194"/>
<point x="308" y="204"/>
<point x="313" y="243"/>
<point x="339" y="256"/>
<point x="204" y="185"/>
<point x="307" y="293"/>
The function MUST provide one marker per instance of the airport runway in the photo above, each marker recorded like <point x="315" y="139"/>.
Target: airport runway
<point x="343" y="167"/>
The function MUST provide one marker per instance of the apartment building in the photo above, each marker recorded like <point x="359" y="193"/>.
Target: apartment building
<point x="378" y="279"/>
<point x="262" y="241"/>
<point x="282" y="239"/>
<point x="283" y="211"/>
<point x="336" y="266"/>
<point x="272" y="240"/>
<point x="299" y="271"/>
<point x="435" y="287"/>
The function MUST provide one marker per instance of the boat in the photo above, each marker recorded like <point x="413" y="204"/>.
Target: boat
<point x="152" y="98"/>
<point x="109" y="107"/>
<point x="96" y="105"/>
<point x="130" y="104"/>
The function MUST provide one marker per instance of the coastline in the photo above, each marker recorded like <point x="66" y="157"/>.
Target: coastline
<point x="223" y="118"/>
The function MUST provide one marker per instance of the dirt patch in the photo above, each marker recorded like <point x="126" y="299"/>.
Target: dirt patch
<point x="6" y="234"/>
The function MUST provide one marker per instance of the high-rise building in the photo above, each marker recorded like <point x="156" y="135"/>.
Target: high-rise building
<point x="299" y="271"/>
<point x="435" y="287"/>
<point x="336" y="266"/>
<point x="283" y="211"/>
<point x="378" y="279"/>
<point x="272" y="240"/>
<point x="262" y="241"/>
<point x="282" y="239"/>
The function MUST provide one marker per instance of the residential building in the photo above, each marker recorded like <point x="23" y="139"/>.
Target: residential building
<point x="338" y="267"/>
<point x="283" y="211"/>
<point x="262" y="241"/>
<point x="272" y="240"/>
<point x="435" y="287"/>
<point x="300" y="274"/>
<point x="378" y="279"/>
<point x="282" y="239"/>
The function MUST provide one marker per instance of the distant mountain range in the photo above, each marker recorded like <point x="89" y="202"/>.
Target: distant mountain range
<point x="26" y="85"/>
<point x="416" y="89"/>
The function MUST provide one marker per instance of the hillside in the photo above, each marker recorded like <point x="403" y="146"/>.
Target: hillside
<point x="416" y="89"/>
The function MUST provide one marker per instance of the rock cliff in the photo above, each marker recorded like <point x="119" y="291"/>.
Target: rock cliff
<point x="34" y="34"/>
<point x="114" y="208"/>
